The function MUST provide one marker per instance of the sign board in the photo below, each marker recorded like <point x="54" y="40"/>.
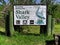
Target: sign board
<point x="29" y="14"/>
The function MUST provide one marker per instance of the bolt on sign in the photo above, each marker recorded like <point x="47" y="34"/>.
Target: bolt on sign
<point x="29" y="14"/>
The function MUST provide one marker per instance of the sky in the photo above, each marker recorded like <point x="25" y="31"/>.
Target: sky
<point x="6" y="0"/>
<point x="37" y="1"/>
<point x="58" y="0"/>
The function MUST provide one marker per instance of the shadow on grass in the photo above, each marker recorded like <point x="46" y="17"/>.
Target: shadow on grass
<point x="50" y="42"/>
<point x="30" y="34"/>
<point x="2" y="33"/>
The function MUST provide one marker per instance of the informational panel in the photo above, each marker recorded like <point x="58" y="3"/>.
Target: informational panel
<point x="29" y="14"/>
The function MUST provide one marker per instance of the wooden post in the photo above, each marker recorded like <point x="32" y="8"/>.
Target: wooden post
<point x="17" y="28"/>
<point x="49" y="24"/>
<point x="7" y="24"/>
<point x="43" y="29"/>
<point x="52" y="25"/>
<point x="11" y="23"/>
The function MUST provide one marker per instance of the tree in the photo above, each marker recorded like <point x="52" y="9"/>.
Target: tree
<point x="50" y="11"/>
<point x="3" y="2"/>
<point x="23" y="2"/>
<point x="52" y="7"/>
<point x="43" y="1"/>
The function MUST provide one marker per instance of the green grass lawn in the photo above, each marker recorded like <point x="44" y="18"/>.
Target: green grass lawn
<point x="20" y="39"/>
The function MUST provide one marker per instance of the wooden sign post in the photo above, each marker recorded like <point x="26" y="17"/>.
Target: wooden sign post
<point x="7" y="24"/>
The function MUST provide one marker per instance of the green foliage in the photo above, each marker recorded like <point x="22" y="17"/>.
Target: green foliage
<point x="18" y="39"/>
<point x="20" y="1"/>
<point x="57" y="29"/>
<point x="43" y="1"/>
<point x="1" y="7"/>
<point x="57" y="12"/>
<point x="31" y="29"/>
<point x="3" y="2"/>
<point x="53" y="8"/>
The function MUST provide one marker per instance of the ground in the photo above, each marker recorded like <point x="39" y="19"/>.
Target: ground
<point x="21" y="39"/>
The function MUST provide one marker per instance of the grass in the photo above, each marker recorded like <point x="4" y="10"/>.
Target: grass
<point x="57" y="29"/>
<point x="32" y="29"/>
<point x="2" y="29"/>
<point x="20" y="39"/>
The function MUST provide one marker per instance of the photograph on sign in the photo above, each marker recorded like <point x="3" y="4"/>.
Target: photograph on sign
<point x="29" y="14"/>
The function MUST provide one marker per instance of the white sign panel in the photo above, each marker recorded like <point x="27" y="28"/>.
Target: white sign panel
<point x="29" y="14"/>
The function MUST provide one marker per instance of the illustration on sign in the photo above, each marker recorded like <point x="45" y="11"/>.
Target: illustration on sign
<point x="40" y="15"/>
